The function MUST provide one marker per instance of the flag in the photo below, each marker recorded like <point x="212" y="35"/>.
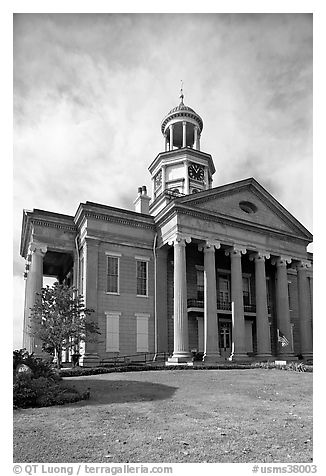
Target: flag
<point x="282" y="339"/>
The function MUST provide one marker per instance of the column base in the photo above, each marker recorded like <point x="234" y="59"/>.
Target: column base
<point x="263" y="356"/>
<point x="180" y="357"/>
<point x="213" y="357"/>
<point x="289" y="357"/>
<point x="89" y="360"/>
<point x="307" y="357"/>
<point x="240" y="357"/>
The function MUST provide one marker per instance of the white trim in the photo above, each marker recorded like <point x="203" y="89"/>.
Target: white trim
<point x="142" y="314"/>
<point x="113" y="253"/>
<point x="113" y="313"/>
<point x="142" y="258"/>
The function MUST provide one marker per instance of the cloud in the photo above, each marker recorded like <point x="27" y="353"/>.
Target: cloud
<point x="90" y="91"/>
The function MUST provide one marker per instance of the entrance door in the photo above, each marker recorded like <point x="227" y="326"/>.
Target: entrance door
<point x="225" y="339"/>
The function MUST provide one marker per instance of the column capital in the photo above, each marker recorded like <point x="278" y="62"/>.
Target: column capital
<point x="236" y="250"/>
<point x="302" y="264"/>
<point x="259" y="255"/>
<point x="209" y="245"/>
<point x="179" y="239"/>
<point x="184" y="123"/>
<point x="281" y="260"/>
<point x="37" y="248"/>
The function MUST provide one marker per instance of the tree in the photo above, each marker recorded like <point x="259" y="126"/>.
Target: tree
<point x="60" y="319"/>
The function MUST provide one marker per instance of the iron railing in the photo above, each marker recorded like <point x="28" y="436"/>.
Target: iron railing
<point x="139" y="358"/>
<point x="223" y="305"/>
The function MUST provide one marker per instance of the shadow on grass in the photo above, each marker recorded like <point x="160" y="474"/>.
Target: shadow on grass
<point x="118" y="391"/>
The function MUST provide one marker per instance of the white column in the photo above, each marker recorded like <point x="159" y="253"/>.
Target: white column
<point x="207" y="183"/>
<point x="91" y="358"/>
<point x="184" y="134"/>
<point x="163" y="177"/>
<point x="238" y="325"/>
<point x="196" y="137"/>
<point x="161" y="311"/>
<point x="198" y="141"/>
<point x="187" y="186"/>
<point x="211" y="344"/>
<point x="34" y="283"/>
<point x="262" y="322"/>
<point x="171" y="136"/>
<point x="304" y="309"/>
<point x="282" y="305"/>
<point x="181" y="351"/>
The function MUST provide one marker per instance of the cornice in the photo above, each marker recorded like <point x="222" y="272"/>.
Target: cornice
<point x="182" y="113"/>
<point x="51" y="224"/>
<point x="45" y="219"/>
<point x="114" y="219"/>
<point x="179" y="208"/>
<point x="179" y="152"/>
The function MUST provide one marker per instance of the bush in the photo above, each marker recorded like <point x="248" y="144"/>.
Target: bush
<point x="41" y="387"/>
<point x="38" y="366"/>
<point x="43" y="392"/>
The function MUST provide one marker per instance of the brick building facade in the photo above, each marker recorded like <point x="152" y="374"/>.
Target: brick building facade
<point x="221" y="272"/>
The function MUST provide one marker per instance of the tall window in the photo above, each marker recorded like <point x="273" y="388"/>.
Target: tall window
<point x="224" y="288"/>
<point x="246" y="290"/>
<point x="112" y="274"/>
<point x="269" y="293"/>
<point x="142" y="332"/>
<point x="289" y="295"/>
<point x="142" y="277"/>
<point x="200" y="285"/>
<point x="112" y="331"/>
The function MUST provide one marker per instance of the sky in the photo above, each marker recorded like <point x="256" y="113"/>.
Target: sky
<point x="90" y="92"/>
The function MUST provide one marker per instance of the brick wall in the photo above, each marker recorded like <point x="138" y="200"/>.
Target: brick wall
<point x="127" y="302"/>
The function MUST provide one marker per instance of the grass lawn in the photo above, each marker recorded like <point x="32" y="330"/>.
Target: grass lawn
<point x="177" y="416"/>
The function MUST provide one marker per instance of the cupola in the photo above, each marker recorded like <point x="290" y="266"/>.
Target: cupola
<point x="182" y="127"/>
<point x="182" y="168"/>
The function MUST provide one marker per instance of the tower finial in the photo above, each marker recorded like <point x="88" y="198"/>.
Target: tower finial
<point x="181" y="92"/>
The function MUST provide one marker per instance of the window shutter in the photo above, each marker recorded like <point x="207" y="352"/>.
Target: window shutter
<point x="112" y="332"/>
<point x="142" y="333"/>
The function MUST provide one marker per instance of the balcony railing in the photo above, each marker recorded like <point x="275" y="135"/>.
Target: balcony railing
<point x="223" y="305"/>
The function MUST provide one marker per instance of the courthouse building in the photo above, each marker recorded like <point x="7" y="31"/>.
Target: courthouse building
<point x="221" y="272"/>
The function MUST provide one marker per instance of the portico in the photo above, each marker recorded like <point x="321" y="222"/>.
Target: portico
<point x="267" y="322"/>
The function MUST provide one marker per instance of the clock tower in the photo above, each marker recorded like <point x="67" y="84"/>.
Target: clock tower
<point x="182" y="168"/>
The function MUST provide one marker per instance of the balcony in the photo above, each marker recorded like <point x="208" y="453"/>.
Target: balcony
<point x="223" y="305"/>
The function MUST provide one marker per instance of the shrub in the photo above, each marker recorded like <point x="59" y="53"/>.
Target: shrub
<point x="39" y="367"/>
<point x="43" y="392"/>
<point x="41" y="387"/>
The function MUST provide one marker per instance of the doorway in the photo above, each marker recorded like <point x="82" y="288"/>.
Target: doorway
<point x="225" y="339"/>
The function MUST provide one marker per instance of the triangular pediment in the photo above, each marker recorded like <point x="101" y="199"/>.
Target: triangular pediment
<point x="248" y="202"/>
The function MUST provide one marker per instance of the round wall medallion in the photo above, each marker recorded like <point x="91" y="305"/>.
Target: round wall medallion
<point x="248" y="207"/>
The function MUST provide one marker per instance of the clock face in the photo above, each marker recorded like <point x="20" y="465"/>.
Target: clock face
<point x="196" y="172"/>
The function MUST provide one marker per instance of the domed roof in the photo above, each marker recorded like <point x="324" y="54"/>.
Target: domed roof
<point x="182" y="111"/>
<point x="181" y="107"/>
